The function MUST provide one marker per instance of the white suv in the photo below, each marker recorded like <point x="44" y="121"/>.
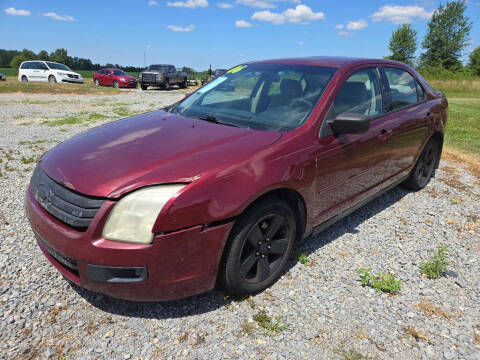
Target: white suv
<point x="47" y="71"/>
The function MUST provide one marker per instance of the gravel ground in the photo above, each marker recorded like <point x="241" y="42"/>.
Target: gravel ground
<point x="322" y="309"/>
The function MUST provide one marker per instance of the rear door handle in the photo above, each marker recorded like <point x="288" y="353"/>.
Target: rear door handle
<point x="384" y="135"/>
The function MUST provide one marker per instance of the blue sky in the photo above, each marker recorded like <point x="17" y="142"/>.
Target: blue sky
<point x="197" y="33"/>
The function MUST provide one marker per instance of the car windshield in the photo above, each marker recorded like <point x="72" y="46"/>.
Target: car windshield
<point x="157" y="68"/>
<point x="57" y="66"/>
<point x="119" y="73"/>
<point x="275" y="97"/>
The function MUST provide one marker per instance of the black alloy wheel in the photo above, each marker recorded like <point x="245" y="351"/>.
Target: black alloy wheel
<point x="259" y="247"/>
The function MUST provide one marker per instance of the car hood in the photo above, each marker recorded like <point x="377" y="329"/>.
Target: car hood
<point x="152" y="148"/>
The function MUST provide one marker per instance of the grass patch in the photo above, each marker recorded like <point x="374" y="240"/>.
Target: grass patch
<point x="351" y="354"/>
<point x="122" y="111"/>
<point x="71" y="120"/>
<point x="382" y="282"/>
<point x="271" y="326"/>
<point x="33" y="142"/>
<point x="96" y="116"/>
<point x="303" y="259"/>
<point x="437" y="265"/>
<point x="463" y="126"/>
<point x="28" y="160"/>
<point x="247" y="328"/>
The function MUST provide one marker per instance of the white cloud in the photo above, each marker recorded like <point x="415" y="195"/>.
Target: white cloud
<point x="224" y="5"/>
<point x="357" y="25"/>
<point x="263" y="4"/>
<point x="18" y="12"/>
<point x="58" y="17"/>
<point x="344" y="34"/>
<point x="191" y="4"/>
<point x="242" y="23"/>
<point x="302" y="14"/>
<point x="339" y="26"/>
<point x="176" y="28"/>
<point x="153" y="3"/>
<point x="401" y="14"/>
<point x="301" y="43"/>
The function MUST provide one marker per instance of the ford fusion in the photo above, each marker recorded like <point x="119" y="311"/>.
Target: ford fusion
<point x="218" y="187"/>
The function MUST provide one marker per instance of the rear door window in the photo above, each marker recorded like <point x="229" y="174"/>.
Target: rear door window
<point x="360" y="94"/>
<point x="403" y="89"/>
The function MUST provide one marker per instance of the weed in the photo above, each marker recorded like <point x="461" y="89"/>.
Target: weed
<point x="19" y="116"/>
<point x="417" y="335"/>
<point x="266" y="322"/>
<point x="32" y="142"/>
<point x="8" y="155"/>
<point x="71" y="120"/>
<point x="247" y="328"/>
<point x="121" y="111"/>
<point x="96" y="116"/>
<point x="432" y="310"/>
<point x="351" y="354"/>
<point x="28" y="160"/>
<point x="25" y="123"/>
<point x="437" y="265"/>
<point x="303" y="259"/>
<point x="382" y="281"/>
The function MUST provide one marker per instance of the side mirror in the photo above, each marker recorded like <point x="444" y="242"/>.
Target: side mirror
<point x="350" y="123"/>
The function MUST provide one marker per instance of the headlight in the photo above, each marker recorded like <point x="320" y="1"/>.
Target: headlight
<point x="122" y="79"/>
<point x="159" y="76"/>
<point x="132" y="218"/>
<point x="60" y="73"/>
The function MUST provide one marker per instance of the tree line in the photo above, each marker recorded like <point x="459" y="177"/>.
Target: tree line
<point x="13" y="59"/>
<point x="447" y="37"/>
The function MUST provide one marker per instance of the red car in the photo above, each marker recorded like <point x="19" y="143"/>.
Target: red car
<point x="219" y="186"/>
<point x="114" y="77"/>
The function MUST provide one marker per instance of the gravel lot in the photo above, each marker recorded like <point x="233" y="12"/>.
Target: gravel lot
<point x="327" y="312"/>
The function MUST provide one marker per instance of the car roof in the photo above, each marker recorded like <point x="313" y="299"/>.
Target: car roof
<point x="331" y="61"/>
<point x="110" y="69"/>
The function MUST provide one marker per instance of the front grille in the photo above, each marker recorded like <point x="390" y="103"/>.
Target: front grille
<point x="148" y="77"/>
<point x="74" y="209"/>
<point x="73" y="76"/>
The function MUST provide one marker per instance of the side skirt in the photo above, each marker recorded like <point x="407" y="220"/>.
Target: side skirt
<point x="326" y="224"/>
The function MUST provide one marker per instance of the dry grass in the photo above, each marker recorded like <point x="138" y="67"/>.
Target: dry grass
<point x="417" y="335"/>
<point x="433" y="311"/>
<point x="455" y="84"/>
<point x="470" y="162"/>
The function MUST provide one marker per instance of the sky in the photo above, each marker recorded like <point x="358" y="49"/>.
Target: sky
<point x="220" y="33"/>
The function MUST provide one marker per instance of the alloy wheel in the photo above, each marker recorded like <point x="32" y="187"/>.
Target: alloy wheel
<point x="264" y="248"/>
<point x="426" y="164"/>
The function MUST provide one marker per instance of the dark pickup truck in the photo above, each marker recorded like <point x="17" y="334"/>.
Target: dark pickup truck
<point x="162" y="76"/>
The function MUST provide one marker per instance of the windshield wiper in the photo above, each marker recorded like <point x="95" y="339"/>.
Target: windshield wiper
<point x="213" y="119"/>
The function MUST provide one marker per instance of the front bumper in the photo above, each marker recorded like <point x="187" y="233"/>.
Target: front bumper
<point x="72" y="80"/>
<point x="175" y="265"/>
<point x="127" y="84"/>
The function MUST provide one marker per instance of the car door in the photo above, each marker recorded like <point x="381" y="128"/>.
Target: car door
<point x="407" y="118"/>
<point x="43" y="71"/>
<point x="351" y="167"/>
<point x="33" y="71"/>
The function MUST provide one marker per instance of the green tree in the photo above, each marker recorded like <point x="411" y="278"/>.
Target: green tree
<point x="447" y="36"/>
<point x="60" y="56"/>
<point x="43" y="55"/>
<point x="403" y="44"/>
<point x="16" y="61"/>
<point x="474" y="61"/>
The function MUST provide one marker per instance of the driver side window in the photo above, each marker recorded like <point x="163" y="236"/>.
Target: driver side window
<point x="360" y="94"/>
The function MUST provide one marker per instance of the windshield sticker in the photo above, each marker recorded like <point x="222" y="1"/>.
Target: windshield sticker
<point x="212" y="84"/>
<point x="236" y="69"/>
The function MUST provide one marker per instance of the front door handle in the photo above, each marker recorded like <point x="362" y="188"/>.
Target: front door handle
<point x="384" y="135"/>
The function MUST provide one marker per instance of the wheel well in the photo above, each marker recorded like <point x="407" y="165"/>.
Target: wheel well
<point x="438" y="137"/>
<point x="296" y="203"/>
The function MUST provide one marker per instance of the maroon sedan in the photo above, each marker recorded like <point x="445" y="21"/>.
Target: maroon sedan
<point x="114" y="77"/>
<point x="219" y="186"/>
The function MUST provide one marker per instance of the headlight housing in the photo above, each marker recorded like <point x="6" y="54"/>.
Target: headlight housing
<point x="122" y="79"/>
<point x="160" y="76"/>
<point x="61" y="73"/>
<point x="133" y="217"/>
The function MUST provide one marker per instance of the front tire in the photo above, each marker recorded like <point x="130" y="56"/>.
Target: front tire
<point x="143" y="87"/>
<point x="97" y="83"/>
<point x="424" y="169"/>
<point x="115" y="84"/>
<point x="259" y="247"/>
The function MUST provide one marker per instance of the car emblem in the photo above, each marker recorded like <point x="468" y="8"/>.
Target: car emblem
<point x="44" y="194"/>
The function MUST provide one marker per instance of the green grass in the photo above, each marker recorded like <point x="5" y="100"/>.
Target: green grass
<point x="382" y="282"/>
<point x="71" y="120"/>
<point x="351" y="354"/>
<point x="12" y="85"/>
<point x="303" y="259"/>
<point x="96" y="116"/>
<point x="437" y="265"/>
<point x="271" y="326"/>
<point x="87" y="74"/>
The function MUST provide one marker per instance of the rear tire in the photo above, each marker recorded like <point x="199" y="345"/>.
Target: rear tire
<point x="184" y="84"/>
<point x="258" y="247"/>
<point x="24" y="78"/>
<point x="167" y="85"/>
<point x="424" y="168"/>
<point x="51" y="79"/>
